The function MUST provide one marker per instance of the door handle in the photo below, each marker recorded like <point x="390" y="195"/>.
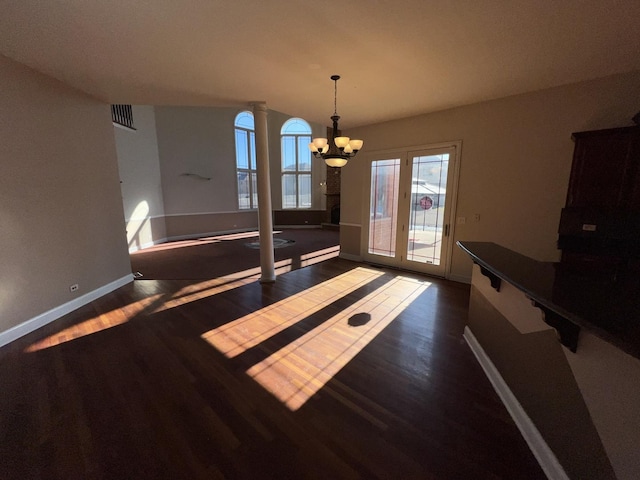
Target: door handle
<point x="446" y="230"/>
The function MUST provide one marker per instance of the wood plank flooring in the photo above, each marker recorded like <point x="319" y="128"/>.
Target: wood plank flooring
<point x="164" y="379"/>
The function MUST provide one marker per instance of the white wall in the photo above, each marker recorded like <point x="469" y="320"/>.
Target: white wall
<point x="201" y="141"/>
<point x="61" y="213"/>
<point x="516" y="160"/>
<point x="140" y="181"/>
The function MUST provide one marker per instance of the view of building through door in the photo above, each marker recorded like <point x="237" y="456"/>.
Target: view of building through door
<point x="409" y="214"/>
<point x="426" y="207"/>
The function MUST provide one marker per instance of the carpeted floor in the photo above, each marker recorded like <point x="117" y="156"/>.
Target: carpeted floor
<point x="212" y="257"/>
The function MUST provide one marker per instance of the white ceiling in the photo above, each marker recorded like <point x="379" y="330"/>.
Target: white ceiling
<point x="396" y="58"/>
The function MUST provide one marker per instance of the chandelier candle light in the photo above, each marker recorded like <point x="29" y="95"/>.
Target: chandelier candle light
<point x="337" y="152"/>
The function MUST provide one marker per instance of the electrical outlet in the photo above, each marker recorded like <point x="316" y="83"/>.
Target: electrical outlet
<point x="461" y="220"/>
<point x="74" y="287"/>
<point x="476" y="217"/>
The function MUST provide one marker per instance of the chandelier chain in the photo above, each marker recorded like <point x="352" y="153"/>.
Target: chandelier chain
<point x="335" y="97"/>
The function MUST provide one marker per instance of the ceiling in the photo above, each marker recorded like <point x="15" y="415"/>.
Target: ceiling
<point x="396" y="58"/>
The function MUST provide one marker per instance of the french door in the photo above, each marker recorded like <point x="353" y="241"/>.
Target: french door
<point x="410" y="203"/>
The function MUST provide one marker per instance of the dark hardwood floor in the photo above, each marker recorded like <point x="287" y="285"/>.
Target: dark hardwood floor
<point x="338" y="370"/>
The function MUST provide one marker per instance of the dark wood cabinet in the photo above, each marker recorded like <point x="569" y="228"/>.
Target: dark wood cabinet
<point x="606" y="169"/>
<point x="599" y="231"/>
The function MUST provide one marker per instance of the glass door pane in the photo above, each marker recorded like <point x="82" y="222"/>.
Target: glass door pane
<point x="426" y="209"/>
<point x="411" y="198"/>
<point x="383" y="207"/>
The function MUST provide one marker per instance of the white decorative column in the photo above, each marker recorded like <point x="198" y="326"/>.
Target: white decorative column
<point x="265" y="222"/>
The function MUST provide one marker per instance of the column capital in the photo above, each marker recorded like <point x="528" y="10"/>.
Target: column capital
<point x="261" y="106"/>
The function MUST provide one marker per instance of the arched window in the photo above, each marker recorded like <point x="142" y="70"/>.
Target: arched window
<point x="246" y="160"/>
<point x="296" y="164"/>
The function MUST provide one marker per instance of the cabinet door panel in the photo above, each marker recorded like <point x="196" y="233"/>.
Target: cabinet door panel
<point x="605" y="169"/>
<point x="633" y="172"/>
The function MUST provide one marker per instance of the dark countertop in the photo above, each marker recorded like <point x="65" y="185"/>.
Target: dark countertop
<point x="606" y="306"/>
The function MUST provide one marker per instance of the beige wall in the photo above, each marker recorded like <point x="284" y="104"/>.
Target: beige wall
<point x="140" y="181"/>
<point x="516" y="159"/>
<point x="525" y="361"/>
<point x="61" y="211"/>
<point x="555" y="388"/>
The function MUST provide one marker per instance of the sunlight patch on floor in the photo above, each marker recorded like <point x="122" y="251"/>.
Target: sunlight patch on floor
<point x="201" y="241"/>
<point x="237" y="336"/>
<point x="296" y="372"/>
<point x="190" y="293"/>
<point x="209" y="288"/>
<point x="319" y="255"/>
<point x="175" y="244"/>
<point x="96" y="324"/>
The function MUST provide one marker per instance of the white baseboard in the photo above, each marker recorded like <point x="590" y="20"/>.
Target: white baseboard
<point x="41" y="320"/>
<point x="348" y="256"/>
<point x="546" y="458"/>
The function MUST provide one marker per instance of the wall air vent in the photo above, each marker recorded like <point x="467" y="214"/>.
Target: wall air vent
<point x="122" y="115"/>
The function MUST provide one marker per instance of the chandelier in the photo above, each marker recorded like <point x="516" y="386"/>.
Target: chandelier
<point x="339" y="150"/>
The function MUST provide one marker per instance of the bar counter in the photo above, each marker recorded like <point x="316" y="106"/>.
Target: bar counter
<point x="562" y="349"/>
<point x="606" y="305"/>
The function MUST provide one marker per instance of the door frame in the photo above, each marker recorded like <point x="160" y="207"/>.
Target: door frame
<point x="452" y="199"/>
